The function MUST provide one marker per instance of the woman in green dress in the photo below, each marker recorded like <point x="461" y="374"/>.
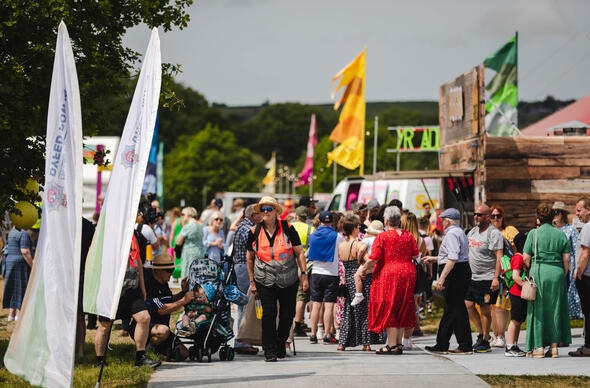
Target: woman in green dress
<point x="191" y="239"/>
<point x="176" y="224"/>
<point x="548" y="318"/>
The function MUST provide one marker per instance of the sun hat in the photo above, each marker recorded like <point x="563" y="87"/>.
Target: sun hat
<point x="375" y="228"/>
<point x="559" y="206"/>
<point x="209" y="289"/>
<point x="269" y="201"/>
<point x="163" y="261"/>
<point x="451" y="213"/>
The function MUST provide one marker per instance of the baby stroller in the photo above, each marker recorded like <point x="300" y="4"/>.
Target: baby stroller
<point x="213" y="334"/>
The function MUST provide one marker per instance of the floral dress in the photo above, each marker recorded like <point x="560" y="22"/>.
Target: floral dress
<point x="573" y="298"/>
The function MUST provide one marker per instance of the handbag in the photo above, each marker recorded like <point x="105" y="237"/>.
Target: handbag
<point x="529" y="286"/>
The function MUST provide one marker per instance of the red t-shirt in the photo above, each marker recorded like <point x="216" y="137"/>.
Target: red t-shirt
<point x="517" y="263"/>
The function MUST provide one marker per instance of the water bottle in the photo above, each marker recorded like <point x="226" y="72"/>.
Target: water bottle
<point x="258" y="307"/>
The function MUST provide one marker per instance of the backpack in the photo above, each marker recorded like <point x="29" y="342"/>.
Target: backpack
<point x="507" y="271"/>
<point x="131" y="279"/>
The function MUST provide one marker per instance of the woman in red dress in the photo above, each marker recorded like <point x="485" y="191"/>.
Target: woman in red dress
<point x="391" y="305"/>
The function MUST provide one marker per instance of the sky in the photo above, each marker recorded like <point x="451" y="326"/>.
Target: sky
<point x="247" y="52"/>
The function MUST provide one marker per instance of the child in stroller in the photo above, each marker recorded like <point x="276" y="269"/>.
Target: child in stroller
<point x="197" y="311"/>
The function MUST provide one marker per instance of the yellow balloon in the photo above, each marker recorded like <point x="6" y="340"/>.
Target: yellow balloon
<point x="31" y="188"/>
<point x="28" y="215"/>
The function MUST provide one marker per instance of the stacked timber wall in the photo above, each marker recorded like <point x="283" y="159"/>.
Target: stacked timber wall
<point x="522" y="172"/>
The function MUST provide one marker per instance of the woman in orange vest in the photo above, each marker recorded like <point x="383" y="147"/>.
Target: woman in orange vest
<point x="274" y="253"/>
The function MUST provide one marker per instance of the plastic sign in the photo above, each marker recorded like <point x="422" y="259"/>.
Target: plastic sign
<point x="429" y="138"/>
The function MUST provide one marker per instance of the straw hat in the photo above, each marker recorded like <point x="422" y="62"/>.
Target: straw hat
<point x="163" y="261"/>
<point x="269" y="201"/>
<point x="559" y="206"/>
<point x="375" y="227"/>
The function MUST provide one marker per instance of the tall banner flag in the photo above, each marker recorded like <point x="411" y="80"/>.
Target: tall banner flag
<point x="150" y="183"/>
<point x="269" y="179"/>
<point x="108" y="256"/>
<point x="41" y="349"/>
<point x="350" y="131"/>
<point x="307" y="173"/>
<point x="501" y="108"/>
<point x="160" y="175"/>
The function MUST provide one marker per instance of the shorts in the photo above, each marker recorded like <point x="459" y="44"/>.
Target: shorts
<point x="130" y="303"/>
<point x="480" y="292"/>
<point x="503" y="301"/>
<point x="303" y="296"/>
<point x="324" y="288"/>
<point x="519" y="307"/>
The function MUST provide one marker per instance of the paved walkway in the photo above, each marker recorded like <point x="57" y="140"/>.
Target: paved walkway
<point x="320" y="366"/>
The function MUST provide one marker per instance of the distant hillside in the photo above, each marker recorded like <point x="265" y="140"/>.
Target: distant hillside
<point x="528" y="112"/>
<point x="244" y="113"/>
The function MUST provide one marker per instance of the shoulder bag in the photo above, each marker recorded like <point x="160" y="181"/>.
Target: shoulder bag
<point x="529" y="286"/>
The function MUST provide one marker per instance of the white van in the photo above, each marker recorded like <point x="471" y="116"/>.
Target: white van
<point x="412" y="188"/>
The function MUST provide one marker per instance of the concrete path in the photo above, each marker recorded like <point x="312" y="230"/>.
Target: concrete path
<point x="495" y="362"/>
<point x="320" y="366"/>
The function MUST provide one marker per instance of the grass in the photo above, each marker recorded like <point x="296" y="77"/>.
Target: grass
<point x="119" y="373"/>
<point x="527" y="381"/>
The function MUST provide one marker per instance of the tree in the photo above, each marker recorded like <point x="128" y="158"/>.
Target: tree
<point x="284" y="128"/>
<point x="28" y="32"/>
<point x="209" y="158"/>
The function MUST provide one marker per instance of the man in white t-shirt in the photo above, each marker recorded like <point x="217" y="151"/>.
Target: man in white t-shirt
<point x="323" y="251"/>
<point x="582" y="273"/>
<point x="146" y="231"/>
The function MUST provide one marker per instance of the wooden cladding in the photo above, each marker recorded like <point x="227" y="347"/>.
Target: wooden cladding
<point x="460" y="124"/>
<point x="522" y="172"/>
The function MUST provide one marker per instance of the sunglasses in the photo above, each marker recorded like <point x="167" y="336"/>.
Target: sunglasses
<point x="218" y="219"/>
<point x="496" y="216"/>
<point x="264" y="209"/>
<point x="169" y="270"/>
<point x="479" y="214"/>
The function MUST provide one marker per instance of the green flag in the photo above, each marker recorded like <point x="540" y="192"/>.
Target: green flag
<point x="501" y="117"/>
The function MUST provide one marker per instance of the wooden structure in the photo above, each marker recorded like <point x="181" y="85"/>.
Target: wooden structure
<point x="517" y="173"/>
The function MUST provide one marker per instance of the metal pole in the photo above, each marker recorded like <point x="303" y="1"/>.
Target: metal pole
<point x="204" y="197"/>
<point x="397" y="161"/>
<point x="334" y="173"/>
<point x="311" y="184"/>
<point x="376" y="133"/>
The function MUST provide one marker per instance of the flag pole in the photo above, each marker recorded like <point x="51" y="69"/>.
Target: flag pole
<point x="104" y="360"/>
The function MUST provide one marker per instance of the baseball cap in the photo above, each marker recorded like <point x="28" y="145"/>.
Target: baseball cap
<point x="326" y="217"/>
<point x="451" y="213"/>
<point x="218" y="202"/>
<point x="301" y="212"/>
<point x="306" y="200"/>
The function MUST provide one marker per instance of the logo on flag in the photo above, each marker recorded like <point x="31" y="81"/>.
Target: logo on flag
<point x="129" y="156"/>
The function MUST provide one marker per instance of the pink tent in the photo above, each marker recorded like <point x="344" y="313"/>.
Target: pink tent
<point x="576" y="111"/>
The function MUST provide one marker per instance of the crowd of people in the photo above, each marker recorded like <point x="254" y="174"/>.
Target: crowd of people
<point x="366" y="277"/>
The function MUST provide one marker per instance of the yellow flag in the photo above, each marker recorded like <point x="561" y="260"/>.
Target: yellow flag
<point x="269" y="180"/>
<point x="349" y="154"/>
<point x="352" y="118"/>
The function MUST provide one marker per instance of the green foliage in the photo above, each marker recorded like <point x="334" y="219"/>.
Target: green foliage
<point x="212" y="158"/>
<point x="28" y="32"/>
<point x="283" y="128"/>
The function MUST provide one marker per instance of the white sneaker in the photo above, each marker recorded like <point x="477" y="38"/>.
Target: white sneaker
<point x="498" y="342"/>
<point x="10" y="319"/>
<point x="357" y="299"/>
<point x="407" y="343"/>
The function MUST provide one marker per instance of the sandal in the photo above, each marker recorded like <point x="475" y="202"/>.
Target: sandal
<point x="390" y="350"/>
<point x="340" y="348"/>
